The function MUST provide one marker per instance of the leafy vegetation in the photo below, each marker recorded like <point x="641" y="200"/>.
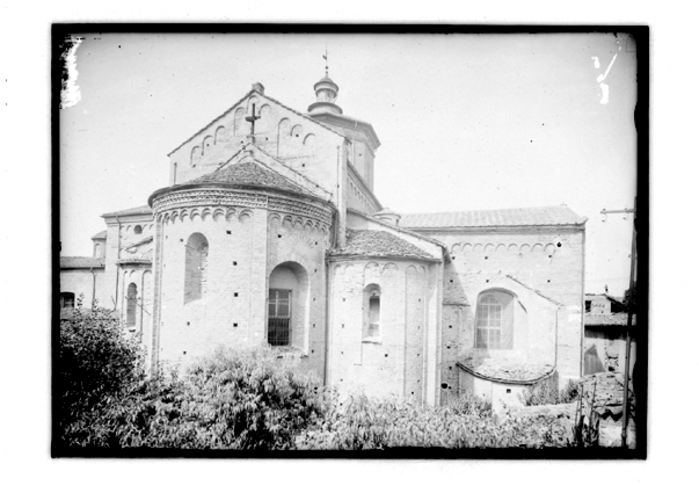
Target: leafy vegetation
<point x="252" y="401"/>
<point x="463" y="423"/>
<point x="543" y="393"/>
<point x="95" y="362"/>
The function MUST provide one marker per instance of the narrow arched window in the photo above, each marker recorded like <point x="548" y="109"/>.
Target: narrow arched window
<point x="372" y="311"/>
<point x="67" y="300"/>
<point x="196" y="256"/>
<point x="131" y="305"/>
<point x="494" y="316"/>
<point x="138" y="229"/>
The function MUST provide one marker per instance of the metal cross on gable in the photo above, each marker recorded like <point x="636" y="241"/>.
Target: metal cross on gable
<point x="252" y="118"/>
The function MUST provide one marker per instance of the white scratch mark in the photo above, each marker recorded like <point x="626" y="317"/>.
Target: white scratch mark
<point x="70" y="91"/>
<point x="604" y="86"/>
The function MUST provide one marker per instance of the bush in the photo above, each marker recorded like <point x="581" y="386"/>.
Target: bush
<point x="95" y="362"/>
<point x="247" y="400"/>
<point x="543" y="393"/>
<point x="464" y="423"/>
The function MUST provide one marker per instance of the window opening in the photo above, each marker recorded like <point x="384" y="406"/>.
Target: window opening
<point x="131" y="304"/>
<point x="372" y="316"/>
<point x="279" y="317"/>
<point x="494" y="321"/>
<point x="67" y="300"/>
<point x="138" y="229"/>
<point x="197" y="253"/>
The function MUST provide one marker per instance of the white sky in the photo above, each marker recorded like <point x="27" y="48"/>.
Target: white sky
<point x="465" y="121"/>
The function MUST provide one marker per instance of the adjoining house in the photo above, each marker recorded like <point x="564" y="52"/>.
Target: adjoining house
<point x="606" y="326"/>
<point x="269" y="233"/>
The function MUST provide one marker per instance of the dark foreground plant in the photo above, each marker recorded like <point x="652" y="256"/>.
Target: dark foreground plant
<point x="95" y="363"/>
<point x="232" y="400"/>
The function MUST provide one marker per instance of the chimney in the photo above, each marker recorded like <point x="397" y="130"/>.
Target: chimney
<point x="258" y="87"/>
<point x="388" y="216"/>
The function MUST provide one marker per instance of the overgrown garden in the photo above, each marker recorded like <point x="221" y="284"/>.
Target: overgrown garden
<point x="251" y="401"/>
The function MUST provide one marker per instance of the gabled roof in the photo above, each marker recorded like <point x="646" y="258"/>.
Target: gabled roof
<point x="372" y="243"/>
<point x="400" y="229"/>
<point x="257" y="93"/>
<point x="536" y="291"/>
<point x="68" y="262"/>
<point x="130" y="212"/>
<point x="544" y="216"/>
<point x="102" y="235"/>
<point x="249" y="174"/>
<point x="144" y="241"/>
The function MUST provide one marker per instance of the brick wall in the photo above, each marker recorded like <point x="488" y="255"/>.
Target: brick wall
<point x="548" y="261"/>
<point x="245" y="246"/>
<point x="394" y="363"/>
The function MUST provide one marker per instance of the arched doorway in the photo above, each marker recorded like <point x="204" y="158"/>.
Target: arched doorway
<point x="287" y="305"/>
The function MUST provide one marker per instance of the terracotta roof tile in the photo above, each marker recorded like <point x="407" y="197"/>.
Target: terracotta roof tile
<point x="81" y="262"/>
<point x="504" y="369"/>
<point x="250" y="173"/>
<point x="372" y="243"/>
<point x="132" y="211"/>
<point x="618" y="319"/>
<point x="546" y="216"/>
<point x="102" y="235"/>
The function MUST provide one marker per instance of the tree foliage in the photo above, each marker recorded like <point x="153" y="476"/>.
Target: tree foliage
<point x="95" y="362"/>
<point x="246" y="400"/>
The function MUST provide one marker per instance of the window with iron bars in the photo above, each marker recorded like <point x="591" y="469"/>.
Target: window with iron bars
<point x="279" y="317"/>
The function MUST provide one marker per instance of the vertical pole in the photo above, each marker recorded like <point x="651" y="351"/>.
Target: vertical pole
<point x="625" y="416"/>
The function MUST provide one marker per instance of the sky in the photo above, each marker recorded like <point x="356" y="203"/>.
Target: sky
<point x="466" y="122"/>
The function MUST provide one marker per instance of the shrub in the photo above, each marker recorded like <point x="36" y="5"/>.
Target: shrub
<point x="544" y="393"/>
<point x="95" y="362"/>
<point x="464" y="423"/>
<point x="247" y="400"/>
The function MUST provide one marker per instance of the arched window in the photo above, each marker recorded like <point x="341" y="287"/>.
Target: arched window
<point x="196" y="256"/>
<point x="67" y="300"/>
<point x="138" y="229"/>
<point x="494" y="316"/>
<point x="131" y="305"/>
<point x="372" y="311"/>
<point x="98" y="250"/>
<point x="287" y="306"/>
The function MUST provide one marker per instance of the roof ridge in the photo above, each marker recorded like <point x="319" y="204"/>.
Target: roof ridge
<point x="257" y="147"/>
<point x="536" y="291"/>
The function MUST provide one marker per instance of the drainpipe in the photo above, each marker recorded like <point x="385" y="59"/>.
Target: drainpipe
<point x="582" y="312"/>
<point x="116" y="289"/>
<point x="327" y="302"/>
<point x="140" y="326"/>
<point x="327" y="320"/>
<point x="94" y="284"/>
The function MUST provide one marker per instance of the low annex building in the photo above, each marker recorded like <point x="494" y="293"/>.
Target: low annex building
<point x="269" y="233"/>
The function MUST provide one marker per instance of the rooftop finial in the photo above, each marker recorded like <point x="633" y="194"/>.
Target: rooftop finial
<point x="325" y="56"/>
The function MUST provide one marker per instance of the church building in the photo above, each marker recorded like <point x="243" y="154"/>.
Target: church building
<point x="269" y="233"/>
